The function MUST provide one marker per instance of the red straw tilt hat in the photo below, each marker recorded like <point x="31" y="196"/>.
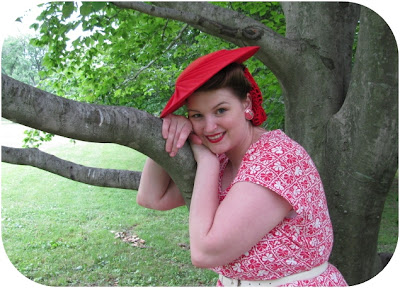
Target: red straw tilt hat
<point x="205" y="67"/>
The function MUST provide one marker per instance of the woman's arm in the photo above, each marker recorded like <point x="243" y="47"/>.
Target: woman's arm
<point x="157" y="190"/>
<point x="220" y="233"/>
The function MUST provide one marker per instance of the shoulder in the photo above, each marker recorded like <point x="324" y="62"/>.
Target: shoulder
<point x="280" y="164"/>
<point x="277" y="144"/>
<point x="276" y="153"/>
<point x="280" y="139"/>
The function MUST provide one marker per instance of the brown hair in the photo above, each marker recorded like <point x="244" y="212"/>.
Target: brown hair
<point x="232" y="76"/>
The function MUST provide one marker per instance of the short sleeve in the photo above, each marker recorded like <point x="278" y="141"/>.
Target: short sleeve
<point x="283" y="166"/>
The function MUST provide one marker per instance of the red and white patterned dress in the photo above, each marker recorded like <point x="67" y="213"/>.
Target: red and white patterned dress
<point x="301" y="241"/>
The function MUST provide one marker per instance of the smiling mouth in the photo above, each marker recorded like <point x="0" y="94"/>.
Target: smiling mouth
<point x="216" y="137"/>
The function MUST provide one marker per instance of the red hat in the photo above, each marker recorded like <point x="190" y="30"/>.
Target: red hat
<point x="202" y="69"/>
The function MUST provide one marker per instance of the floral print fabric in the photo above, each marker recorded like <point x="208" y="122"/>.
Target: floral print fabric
<point x="304" y="239"/>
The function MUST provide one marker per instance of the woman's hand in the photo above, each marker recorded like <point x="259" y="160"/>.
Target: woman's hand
<point x="200" y="152"/>
<point x="175" y="130"/>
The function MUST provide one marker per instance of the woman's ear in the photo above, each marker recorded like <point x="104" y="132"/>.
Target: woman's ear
<point x="247" y="103"/>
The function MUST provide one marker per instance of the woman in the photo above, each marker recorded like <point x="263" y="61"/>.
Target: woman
<point x="258" y="214"/>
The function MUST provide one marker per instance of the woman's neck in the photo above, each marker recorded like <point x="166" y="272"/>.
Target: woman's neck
<point x="236" y="155"/>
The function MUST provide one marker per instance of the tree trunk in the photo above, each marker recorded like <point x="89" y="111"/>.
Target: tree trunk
<point x="350" y="132"/>
<point x="316" y="79"/>
<point x="362" y="150"/>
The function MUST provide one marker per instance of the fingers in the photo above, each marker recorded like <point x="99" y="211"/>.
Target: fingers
<point x="169" y="145"/>
<point x="175" y="130"/>
<point x="165" y="126"/>
<point x="183" y="136"/>
<point x="168" y="132"/>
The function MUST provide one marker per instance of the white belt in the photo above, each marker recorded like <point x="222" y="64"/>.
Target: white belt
<point x="306" y="275"/>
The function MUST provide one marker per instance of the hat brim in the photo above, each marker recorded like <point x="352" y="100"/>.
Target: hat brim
<point x="201" y="70"/>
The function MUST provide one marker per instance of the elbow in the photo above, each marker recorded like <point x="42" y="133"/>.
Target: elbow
<point x="147" y="198"/>
<point x="200" y="261"/>
<point x="141" y="202"/>
<point x="153" y="203"/>
<point x="203" y="259"/>
<point x="211" y="253"/>
<point x="205" y="251"/>
<point x="144" y="202"/>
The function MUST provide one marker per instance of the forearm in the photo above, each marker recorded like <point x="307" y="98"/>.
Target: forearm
<point x="203" y="207"/>
<point x="156" y="189"/>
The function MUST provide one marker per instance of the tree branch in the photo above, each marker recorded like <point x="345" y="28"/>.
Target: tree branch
<point x="126" y="126"/>
<point x="231" y="26"/>
<point x="209" y="18"/>
<point x="170" y="45"/>
<point x="122" y="179"/>
<point x="137" y="73"/>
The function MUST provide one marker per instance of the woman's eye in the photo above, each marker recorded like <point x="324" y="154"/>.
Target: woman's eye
<point x="221" y="110"/>
<point x="195" y="116"/>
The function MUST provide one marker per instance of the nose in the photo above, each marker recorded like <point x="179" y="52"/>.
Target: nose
<point x="210" y="125"/>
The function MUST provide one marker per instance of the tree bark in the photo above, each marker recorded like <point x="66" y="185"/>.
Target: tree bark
<point x="316" y="81"/>
<point x="362" y="150"/>
<point x="126" y="126"/>
<point x="122" y="179"/>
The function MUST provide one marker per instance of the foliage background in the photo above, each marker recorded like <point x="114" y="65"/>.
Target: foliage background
<point x="123" y="57"/>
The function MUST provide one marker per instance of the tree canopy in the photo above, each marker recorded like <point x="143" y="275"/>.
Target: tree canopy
<point x="99" y="67"/>
<point x="22" y="60"/>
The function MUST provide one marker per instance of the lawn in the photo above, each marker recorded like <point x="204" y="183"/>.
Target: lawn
<point x="61" y="233"/>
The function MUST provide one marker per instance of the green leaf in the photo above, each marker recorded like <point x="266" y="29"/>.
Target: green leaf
<point x="67" y="9"/>
<point x="35" y="26"/>
<point x="97" y="6"/>
<point x="86" y="8"/>
<point x="76" y="42"/>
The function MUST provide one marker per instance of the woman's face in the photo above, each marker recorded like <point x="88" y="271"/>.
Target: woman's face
<point x="217" y="117"/>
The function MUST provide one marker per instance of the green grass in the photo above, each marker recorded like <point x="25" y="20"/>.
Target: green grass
<point x="61" y="233"/>
<point x="389" y="229"/>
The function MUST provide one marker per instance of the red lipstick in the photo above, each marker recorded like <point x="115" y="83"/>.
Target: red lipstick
<point x="216" y="137"/>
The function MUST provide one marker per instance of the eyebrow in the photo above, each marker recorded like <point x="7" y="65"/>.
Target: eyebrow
<point x="219" y="104"/>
